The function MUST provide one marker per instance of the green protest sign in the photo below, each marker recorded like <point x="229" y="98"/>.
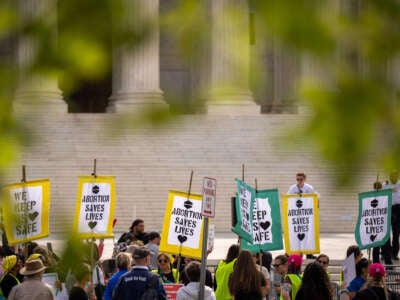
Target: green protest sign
<point x="244" y="211"/>
<point x="267" y="226"/>
<point x="374" y="218"/>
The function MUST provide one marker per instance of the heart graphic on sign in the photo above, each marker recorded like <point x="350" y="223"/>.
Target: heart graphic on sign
<point x="33" y="216"/>
<point x="299" y="203"/>
<point x="182" y="238"/>
<point x="301" y="236"/>
<point x="374" y="203"/>
<point x="188" y="204"/>
<point x="265" y="225"/>
<point x="92" y="224"/>
<point x="372" y="237"/>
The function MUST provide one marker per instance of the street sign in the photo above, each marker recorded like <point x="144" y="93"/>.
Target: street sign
<point x="209" y="190"/>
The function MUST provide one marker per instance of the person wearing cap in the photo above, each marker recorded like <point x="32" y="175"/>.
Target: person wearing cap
<point x="292" y="279"/>
<point x="376" y="289"/>
<point x="32" y="288"/>
<point x="11" y="277"/>
<point x="133" y="284"/>
<point x="153" y="245"/>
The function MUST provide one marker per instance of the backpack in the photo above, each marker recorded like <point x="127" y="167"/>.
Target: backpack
<point x="150" y="292"/>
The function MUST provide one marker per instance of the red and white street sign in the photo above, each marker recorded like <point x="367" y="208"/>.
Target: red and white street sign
<point x="209" y="190"/>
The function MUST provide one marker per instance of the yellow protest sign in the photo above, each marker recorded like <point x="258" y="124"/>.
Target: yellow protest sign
<point x="183" y="225"/>
<point x="300" y="223"/>
<point x="26" y="210"/>
<point x="95" y="205"/>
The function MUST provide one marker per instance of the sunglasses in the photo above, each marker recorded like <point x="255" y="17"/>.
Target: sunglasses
<point x="163" y="261"/>
<point x="276" y="265"/>
<point x="300" y="179"/>
<point x="322" y="262"/>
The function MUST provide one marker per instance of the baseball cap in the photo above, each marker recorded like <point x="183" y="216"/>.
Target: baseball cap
<point x="141" y="252"/>
<point x="377" y="270"/>
<point x="295" y="259"/>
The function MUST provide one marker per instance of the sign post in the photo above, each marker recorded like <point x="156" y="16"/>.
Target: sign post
<point x="208" y="210"/>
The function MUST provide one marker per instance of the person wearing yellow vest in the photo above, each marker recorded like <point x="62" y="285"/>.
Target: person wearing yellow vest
<point x="292" y="280"/>
<point x="11" y="277"/>
<point x="223" y="272"/>
<point x="165" y="270"/>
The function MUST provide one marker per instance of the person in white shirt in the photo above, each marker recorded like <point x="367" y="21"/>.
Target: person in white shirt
<point x="394" y="185"/>
<point x="301" y="187"/>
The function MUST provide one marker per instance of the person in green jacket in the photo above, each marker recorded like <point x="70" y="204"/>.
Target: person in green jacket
<point x="292" y="279"/>
<point x="167" y="273"/>
<point x="223" y="272"/>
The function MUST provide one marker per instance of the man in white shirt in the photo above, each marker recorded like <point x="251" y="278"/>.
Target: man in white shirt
<point x="301" y="187"/>
<point x="394" y="185"/>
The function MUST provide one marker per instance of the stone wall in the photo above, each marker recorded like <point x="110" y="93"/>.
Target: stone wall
<point x="147" y="163"/>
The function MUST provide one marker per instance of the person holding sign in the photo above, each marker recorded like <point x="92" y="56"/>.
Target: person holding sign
<point x="301" y="187"/>
<point x="394" y="185"/>
<point x="385" y="249"/>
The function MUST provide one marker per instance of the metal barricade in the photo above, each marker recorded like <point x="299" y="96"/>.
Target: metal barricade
<point x="393" y="277"/>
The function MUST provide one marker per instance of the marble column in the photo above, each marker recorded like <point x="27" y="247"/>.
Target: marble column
<point x="136" y="68"/>
<point x="36" y="89"/>
<point x="230" y="59"/>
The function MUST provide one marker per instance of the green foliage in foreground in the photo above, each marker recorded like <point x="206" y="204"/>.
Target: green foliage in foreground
<point x="354" y="45"/>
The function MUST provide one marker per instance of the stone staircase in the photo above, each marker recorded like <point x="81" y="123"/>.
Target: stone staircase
<point x="148" y="162"/>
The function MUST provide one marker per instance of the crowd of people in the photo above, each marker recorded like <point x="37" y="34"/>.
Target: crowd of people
<point x="142" y="270"/>
<point x="138" y="269"/>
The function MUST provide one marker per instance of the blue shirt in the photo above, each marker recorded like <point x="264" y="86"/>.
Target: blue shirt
<point x="132" y="284"/>
<point x="112" y="283"/>
<point x="356" y="284"/>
